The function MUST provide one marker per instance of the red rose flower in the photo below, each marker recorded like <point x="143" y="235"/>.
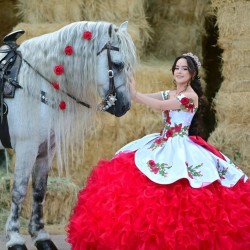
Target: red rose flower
<point x="151" y="163"/>
<point x="184" y="101"/>
<point x="158" y="141"/>
<point x="166" y="112"/>
<point x="59" y="70"/>
<point x="68" y="50"/>
<point x="62" y="105"/>
<point x="155" y="170"/>
<point x="55" y="85"/>
<point x="191" y="107"/>
<point x="169" y="133"/>
<point x="178" y="128"/>
<point x="87" y="35"/>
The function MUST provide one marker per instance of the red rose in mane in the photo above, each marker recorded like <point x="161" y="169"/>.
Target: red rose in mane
<point x="68" y="50"/>
<point x="87" y="35"/>
<point x="59" y="70"/>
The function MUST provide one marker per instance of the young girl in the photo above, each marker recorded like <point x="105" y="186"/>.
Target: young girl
<point x="167" y="190"/>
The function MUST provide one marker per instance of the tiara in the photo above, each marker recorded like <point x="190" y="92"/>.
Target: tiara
<point x="196" y="59"/>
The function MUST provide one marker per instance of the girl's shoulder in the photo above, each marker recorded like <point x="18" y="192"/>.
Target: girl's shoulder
<point x="191" y="96"/>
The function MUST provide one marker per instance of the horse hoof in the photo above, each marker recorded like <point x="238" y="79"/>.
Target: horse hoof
<point x="45" y="245"/>
<point x="18" y="247"/>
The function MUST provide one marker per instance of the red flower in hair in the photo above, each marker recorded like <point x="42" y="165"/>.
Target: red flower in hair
<point x="87" y="35"/>
<point x="55" y="85"/>
<point x="68" y="50"/>
<point x="59" y="70"/>
<point x="62" y="105"/>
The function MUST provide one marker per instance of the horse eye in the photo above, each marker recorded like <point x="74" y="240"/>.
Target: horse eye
<point x="118" y="66"/>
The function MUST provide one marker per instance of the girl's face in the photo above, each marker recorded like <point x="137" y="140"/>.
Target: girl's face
<point x="181" y="73"/>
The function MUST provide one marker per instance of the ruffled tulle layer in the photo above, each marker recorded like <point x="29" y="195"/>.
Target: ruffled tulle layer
<point x="120" y="209"/>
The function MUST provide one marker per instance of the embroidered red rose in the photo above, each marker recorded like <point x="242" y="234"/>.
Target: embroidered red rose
<point x="62" y="105"/>
<point x="169" y="133"/>
<point x="155" y="170"/>
<point x="151" y="163"/>
<point x="59" y="70"/>
<point x="87" y="35"/>
<point x="55" y="85"/>
<point x="168" y="120"/>
<point x="184" y="101"/>
<point x="158" y="141"/>
<point x="68" y="50"/>
<point x="178" y="128"/>
<point x="190" y="107"/>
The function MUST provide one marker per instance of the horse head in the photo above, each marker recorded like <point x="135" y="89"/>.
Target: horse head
<point x="116" y="59"/>
<point x="88" y="59"/>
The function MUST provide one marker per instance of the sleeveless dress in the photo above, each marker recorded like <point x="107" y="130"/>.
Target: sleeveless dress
<point x="165" y="191"/>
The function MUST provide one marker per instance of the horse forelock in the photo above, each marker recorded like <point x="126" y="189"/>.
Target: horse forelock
<point x="128" y="52"/>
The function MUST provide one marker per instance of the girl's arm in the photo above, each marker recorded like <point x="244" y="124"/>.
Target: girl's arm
<point x="160" y="104"/>
<point x="155" y="103"/>
<point x="156" y="95"/>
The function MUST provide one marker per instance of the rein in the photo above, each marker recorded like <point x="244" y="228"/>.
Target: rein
<point x="71" y="96"/>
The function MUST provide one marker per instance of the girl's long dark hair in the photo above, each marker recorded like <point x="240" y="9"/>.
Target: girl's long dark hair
<point x="197" y="126"/>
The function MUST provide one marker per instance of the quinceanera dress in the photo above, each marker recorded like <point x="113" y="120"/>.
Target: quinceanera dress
<point x="164" y="191"/>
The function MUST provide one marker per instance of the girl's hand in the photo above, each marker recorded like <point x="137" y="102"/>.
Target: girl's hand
<point x="133" y="89"/>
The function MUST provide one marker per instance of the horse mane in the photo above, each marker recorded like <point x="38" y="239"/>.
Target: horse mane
<point x="79" y="79"/>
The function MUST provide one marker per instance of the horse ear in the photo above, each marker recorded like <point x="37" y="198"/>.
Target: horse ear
<point x="124" y="26"/>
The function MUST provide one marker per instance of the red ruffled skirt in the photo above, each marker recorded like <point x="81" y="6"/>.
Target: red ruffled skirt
<point x="121" y="209"/>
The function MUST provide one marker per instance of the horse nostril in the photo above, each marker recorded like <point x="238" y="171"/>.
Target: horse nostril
<point x="125" y="108"/>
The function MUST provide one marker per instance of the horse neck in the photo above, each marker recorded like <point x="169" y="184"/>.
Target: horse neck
<point x="47" y="51"/>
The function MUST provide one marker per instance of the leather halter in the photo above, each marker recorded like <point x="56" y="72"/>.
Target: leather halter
<point x="110" y="98"/>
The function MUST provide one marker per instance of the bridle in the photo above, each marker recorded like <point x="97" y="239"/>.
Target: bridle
<point x="110" y="97"/>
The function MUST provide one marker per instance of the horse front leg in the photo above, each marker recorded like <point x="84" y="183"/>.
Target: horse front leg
<point x="25" y="159"/>
<point x="39" y="186"/>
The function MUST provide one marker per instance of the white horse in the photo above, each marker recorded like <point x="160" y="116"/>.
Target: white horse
<point x="61" y="78"/>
